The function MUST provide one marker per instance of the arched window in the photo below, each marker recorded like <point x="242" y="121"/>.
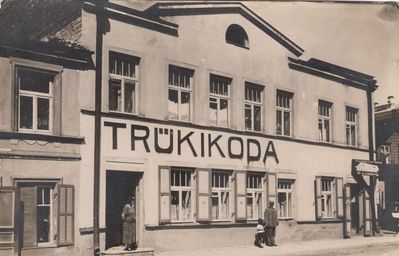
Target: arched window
<point x="236" y="35"/>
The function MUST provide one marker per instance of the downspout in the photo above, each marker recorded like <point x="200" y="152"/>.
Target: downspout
<point x="373" y="179"/>
<point x="97" y="126"/>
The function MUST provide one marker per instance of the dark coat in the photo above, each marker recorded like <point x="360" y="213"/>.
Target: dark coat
<point x="271" y="217"/>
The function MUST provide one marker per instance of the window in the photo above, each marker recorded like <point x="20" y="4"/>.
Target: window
<point x="48" y="210"/>
<point x="283" y="113"/>
<point x="327" y="197"/>
<point x="220" y="196"/>
<point x="35" y="100"/>
<point x="383" y="154"/>
<point x="219" y="98"/>
<point x="253" y="107"/>
<point x="324" y="121"/>
<point x="351" y="126"/>
<point x="285" y="192"/>
<point x="123" y="82"/>
<point x="236" y="35"/>
<point x="181" y="194"/>
<point x="254" y="195"/>
<point x="180" y="87"/>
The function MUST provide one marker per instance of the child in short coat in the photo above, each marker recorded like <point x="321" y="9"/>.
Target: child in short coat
<point x="260" y="233"/>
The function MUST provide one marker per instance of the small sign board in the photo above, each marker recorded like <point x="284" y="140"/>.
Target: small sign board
<point x="368" y="168"/>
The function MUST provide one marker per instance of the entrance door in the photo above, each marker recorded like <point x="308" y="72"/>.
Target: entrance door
<point x="8" y="221"/>
<point x="120" y="186"/>
<point x="355" y="211"/>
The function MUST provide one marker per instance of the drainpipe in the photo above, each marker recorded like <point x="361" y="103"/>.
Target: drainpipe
<point x="97" y="126"/>
<point x="373" y="179"/>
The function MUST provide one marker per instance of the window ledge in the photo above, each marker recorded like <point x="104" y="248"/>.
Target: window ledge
<point x="322" y="221"/>
<point x="40" y="247"/>
<point x="42" y="137"/>
<point x="205" y="225"/>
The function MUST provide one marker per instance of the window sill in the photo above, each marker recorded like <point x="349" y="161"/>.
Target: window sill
<point x="42" y="137"/>
<point x="122" y="113"/>
<point x="40" y="246"/>
<point x="322" y="221"/>
<point x="203" y="225"/>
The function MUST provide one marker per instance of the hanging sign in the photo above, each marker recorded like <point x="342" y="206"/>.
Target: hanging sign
<point x="367" y="168"/>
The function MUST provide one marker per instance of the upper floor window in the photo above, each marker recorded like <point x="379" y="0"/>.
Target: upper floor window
<point x="351" y="126"/>
<point x="123" y="82"/>
<point x="384" y="154"/>
<point x="253" y="107"/>
<point x="283" y="113"/>
<point x="236" y="35"/>
<point x="324" y="121"/>
<point x="35" y="100"/>
<point x="219" y="100"/>
<point x="255" y="195"/>
<point x="180" y="88"/>
<point x="285" y="190"/>
<point x="221" y="195"/>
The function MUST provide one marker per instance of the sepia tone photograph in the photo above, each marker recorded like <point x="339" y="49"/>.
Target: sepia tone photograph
<point x="199" y="128"/>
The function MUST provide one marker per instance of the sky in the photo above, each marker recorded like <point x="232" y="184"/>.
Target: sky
<point x="359" y="36"/>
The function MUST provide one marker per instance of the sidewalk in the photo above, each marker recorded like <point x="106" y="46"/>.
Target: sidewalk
<point x="315" y="247"/>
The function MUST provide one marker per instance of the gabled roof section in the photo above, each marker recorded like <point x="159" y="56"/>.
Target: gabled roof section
<point x="334" y="73"/>
<point x="165" y="9"/>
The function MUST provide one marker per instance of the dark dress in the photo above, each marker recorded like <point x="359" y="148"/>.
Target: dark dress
<point x="129" y="224"/>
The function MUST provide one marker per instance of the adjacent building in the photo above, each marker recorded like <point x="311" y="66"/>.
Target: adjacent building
<point x="207" y="113"/>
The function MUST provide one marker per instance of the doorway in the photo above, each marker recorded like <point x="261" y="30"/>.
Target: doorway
<point x="120" y="186"/>
<point x="356" y="212"/>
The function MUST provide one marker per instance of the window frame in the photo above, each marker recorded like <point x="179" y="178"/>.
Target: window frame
<point x="233" y="29"/>
<point x="252" y="104"/>
<point x="124" y="80"/>
<point x="34" y="96"/>
<point x="283" y="109"/>
<point x="180" y="190"/>
<point x="324" y="106"/>
<point x="217" y="98"/>
<point x="351" y="123"/>
<point x="181" y="90"/>
<point x="219" y="190"/>
<point x="324" y="196"/>
<point x="286" y="191"/>
<point x="254" y="192"/>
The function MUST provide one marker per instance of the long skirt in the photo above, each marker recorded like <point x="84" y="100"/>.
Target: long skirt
<point x="129" y="232"/>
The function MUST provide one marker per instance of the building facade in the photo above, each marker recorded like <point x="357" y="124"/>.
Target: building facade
<point x="207" y="113"/>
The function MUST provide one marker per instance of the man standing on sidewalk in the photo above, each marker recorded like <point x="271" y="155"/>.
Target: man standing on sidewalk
<point x="271" y="222"/>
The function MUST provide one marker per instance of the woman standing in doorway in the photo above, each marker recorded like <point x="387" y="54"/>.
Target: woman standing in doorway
<point x="129" y="224"/>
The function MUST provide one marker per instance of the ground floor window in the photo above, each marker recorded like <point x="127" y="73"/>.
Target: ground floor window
<point x="285" y="191"/>
<point x="221" y="193"/>
<point x="327" y="197"/>
<point x="181" y="194"/>
<point x="48" y="213"/>
<point x="255" y="194"/>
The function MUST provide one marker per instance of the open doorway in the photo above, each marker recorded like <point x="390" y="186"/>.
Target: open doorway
<point x="120" y="186"/>
<point x="356" y="206"/>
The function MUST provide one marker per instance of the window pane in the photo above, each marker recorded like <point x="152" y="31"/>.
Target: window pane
<point x="213" y="106"/>
<point x="215" y="206"/>
<point x="353" y="135"/>
<point x="321" y="130"/>
<point x="129" y="96"/>
<point x="35" y="81"/>
<point x="43" y="115"/>
<point x="225" y="205"/>
<point x="115" y="95"/>
<point x="327" y="130"/>
<point x="185" y="106"/>
<point x="286" y="123"/>
<point x="258" y="205"/>
<point x="282" y="201"/>
<point x="25" y="112"/>
<point x="289" y="205"/>
<point x="43" y="224"/>
<point x="278" y="122"/>
<point x="174" y="205"/>
<point x="39" y="195"/>
<point x="223" y="115"/>
<point x="250" y="204"/>
<point x="248" y="117"/>
<point x="257" y="117"/>
<point x="172" y="106"/>
<point x="186" y="205"/>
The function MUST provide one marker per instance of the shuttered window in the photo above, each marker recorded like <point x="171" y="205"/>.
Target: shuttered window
<point x="329" y="197"/>
<point x="66" y="204"/>
<point x="255" y="195"/>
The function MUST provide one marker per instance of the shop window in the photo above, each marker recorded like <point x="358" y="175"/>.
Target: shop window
<point x="329" y="197"/>
<point x="123" y="82"/>
<point x="253" y="107"/>
<point x="324" y="121"/>
<point x="35" y="100"/>
<point x="283" y="113"/>
<point x="351" y="126"/>
<point x="221" y="193"/>
<point x="285" y="194"/>
<point x="181" y="188"/>
<point x="255" y="195"/>
<point x="180" y="91"/>
<point x="48" y="213"/>
<point x="219" y="100"/>
<point x="236" y="35"/>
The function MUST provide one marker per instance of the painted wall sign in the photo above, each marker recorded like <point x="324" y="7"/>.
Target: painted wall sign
<point x="200" y="143"/>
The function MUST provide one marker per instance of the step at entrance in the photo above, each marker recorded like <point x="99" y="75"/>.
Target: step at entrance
<point x="118" y="251"/>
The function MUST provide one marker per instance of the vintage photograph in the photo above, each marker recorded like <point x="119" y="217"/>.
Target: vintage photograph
<point x="199" y="128"/>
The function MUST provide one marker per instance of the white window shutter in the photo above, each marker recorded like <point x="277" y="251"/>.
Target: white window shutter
<point x="241" y="195"/>
<point x="66" y="215"/>
<point x="204" y="195"/>
<point x="164" y="194"/>
<point x="318" y="198"/>
<point x="339" y="189"/>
